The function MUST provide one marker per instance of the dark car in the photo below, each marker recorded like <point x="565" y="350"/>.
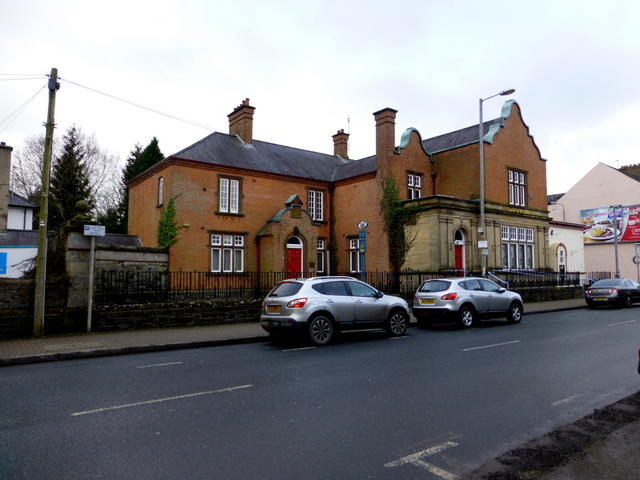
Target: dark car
<point x="622" y="292"/>
<point x="465" y="300"/>
<point x="317" y="307"/>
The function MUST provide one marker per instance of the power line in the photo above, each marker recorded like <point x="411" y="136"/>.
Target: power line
<point x="20" y="76"/>
<point x="13" y="115"/>
<point x="173" y="117"/>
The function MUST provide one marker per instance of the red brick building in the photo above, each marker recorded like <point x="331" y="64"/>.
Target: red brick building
<point x="248" y="205"/>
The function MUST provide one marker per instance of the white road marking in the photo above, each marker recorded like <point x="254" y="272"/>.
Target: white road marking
<point x="416" y="459"/>
<point x="566" y="400"/>
<point x="621" y="323"/>
<point x="399" y="338"/>
<point x="160" y="365"/>
<point x="490" y="346"/>
<point x="298" y="349"/>
<point x="159" y="400"/>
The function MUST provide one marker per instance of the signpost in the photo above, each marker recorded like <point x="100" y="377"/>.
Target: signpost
<point x="362" y="246"/>
<point x="92" y="231"/>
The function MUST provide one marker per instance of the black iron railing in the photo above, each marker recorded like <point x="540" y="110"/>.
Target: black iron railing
<point x="122" y="287"/>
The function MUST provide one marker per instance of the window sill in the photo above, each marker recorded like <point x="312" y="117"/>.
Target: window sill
<point x="227" y="214"/>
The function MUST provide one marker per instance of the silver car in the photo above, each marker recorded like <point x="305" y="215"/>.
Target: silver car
<point x="320" y="306"/>
<point x="465" y="300"/>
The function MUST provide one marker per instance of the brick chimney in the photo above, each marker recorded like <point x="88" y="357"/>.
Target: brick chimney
<point x="385" y="134"/>
<point x="5" y="170"/>
<point x="341" y="144"/>
<point x="241" y="121"/>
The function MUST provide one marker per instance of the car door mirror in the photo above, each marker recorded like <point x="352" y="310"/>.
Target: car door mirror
<point x="502" y="290"/>
<point x="379" y="294"/>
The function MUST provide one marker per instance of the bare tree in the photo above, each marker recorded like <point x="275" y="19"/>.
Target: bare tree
<point x="26" y="168"/>
<point x="103" y="168"/>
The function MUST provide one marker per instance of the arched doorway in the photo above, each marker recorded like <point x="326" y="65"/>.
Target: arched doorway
<point x="294" y="257"/>
<point x="561" y="259"/>
<point x="459" y="260"/>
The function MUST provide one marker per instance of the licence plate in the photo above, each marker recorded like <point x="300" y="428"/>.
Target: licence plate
<point x="427" y="301"/>
<point x="600" y="299"/>
<point x="273" y="308"/>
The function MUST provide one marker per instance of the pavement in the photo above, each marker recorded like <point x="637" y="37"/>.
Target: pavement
<point x="609" y="453"/>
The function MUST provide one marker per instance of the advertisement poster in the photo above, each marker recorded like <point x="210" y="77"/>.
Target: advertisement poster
<point x="604" y="224"/>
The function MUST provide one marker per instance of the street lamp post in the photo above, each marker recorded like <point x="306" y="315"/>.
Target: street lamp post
<point x="481" y="230"/>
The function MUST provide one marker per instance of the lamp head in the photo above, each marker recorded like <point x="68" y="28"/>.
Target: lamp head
<point x="507" y="92"/>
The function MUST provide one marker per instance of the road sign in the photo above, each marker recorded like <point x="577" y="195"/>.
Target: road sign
<point x="95" y="230"/>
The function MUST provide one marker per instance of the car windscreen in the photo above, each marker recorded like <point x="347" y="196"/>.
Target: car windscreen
<point x="435" y="286"/>
<point x="285" y="289"/>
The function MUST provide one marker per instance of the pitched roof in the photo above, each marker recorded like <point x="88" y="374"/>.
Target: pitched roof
<point x="16" y="200"/>
<point x="459" y="138"/>
<point x="19" y="238"/>
<point x="229" y="150"/>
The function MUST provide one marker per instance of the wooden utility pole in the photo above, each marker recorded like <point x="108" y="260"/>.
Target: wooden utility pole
<point x="41" y="260"/>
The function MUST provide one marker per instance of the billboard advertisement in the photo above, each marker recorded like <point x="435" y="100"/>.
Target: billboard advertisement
<point x="603" y="225"/>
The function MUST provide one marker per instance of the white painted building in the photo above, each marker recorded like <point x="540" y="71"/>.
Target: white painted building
<point x="609" y="235"/>
<point x="18" y="242"/>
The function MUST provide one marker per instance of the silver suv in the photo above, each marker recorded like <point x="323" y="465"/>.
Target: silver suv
<point x="319" y="306"/>
<point x="465" y="300"/>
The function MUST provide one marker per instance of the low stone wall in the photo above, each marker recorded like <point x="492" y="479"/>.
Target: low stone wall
<point x="531" y="295"/>
<point x="176" y="314"/>
<point x="17" y="308"/>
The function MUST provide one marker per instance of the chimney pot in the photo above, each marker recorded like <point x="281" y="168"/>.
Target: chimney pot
<point x="241" y="121"/>
<point x="341" y="144"/>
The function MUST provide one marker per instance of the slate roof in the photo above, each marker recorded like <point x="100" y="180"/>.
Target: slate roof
<point x="16" y="200"/>
<point x="23" y="238"/>
<point x="459" y="138"/>
<point x="230" y="151"/>
<point x="19" y="238"/>
<point x="553" y="198"/>
<point x="120" y="240"/>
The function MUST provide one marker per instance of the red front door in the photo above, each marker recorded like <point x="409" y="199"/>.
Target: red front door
<point x="458" y="253"/>
<point x="294" y="262"/>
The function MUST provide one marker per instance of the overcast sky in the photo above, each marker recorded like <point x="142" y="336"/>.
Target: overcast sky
<point x="311" y="68"/>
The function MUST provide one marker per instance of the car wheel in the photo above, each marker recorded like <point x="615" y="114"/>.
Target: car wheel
<point x="397" y="323"/>
<point x="466" y="316"/>
<point x="320" y="330"/>
<point x="514" y="315"/>
<point x="627" y="302"/>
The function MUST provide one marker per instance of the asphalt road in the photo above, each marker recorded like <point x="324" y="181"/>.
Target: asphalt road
<point x="434" y="404"/>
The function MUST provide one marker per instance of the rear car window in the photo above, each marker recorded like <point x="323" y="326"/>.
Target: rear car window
<point x="435" y="286"/>
<point x="335" y="288"/>
<point x="285" y="289"/>
<point x="473" y="285"/>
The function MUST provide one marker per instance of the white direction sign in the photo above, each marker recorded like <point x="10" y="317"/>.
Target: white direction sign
<point x="95" y="230"/>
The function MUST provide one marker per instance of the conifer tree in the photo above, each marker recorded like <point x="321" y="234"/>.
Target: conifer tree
<point x="147" y="158"/>
<point x="69" y="181"/>
<point x="116" y="218"/>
